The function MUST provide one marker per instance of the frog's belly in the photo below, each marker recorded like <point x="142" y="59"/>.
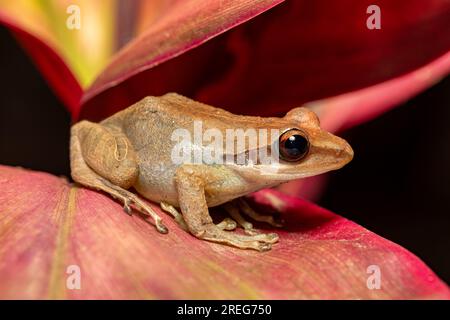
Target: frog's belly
<point x="156" y="183"/>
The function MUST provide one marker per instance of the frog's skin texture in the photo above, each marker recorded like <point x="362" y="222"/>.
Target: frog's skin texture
<point x="133" y="148"/>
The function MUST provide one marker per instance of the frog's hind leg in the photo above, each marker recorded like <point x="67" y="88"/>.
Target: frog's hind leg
<point x="104" y="159"/>
<point x="235" y="207"/>
<point x="233" y="211"/>
<point x="245" y="208"/>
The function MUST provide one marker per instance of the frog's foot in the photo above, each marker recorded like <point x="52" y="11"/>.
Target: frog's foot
<point x="130" y="199"/>
<point x="260" y="242"/>
<point x="233" y="211"/>
<point x="225" y="224"/>
<point x="245" y="208"/>
<point x="175" y="213"/>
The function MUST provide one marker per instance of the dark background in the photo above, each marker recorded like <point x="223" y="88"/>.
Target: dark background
<point x="398" y="184"/>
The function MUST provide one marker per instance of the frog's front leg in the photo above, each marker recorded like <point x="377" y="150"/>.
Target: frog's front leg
<point x="103" y="159"/>
<point x="191" y="181"/>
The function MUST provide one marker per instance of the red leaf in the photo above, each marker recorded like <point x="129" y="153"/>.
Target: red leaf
<point x="300" y="51"/>
<point x="47" y="224"/>
<point x="185" y="26"/>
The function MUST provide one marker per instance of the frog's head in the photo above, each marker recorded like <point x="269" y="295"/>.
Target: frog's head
<point x="303" y="149"/>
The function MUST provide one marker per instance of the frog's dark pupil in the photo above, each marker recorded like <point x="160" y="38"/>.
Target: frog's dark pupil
<point x="296" y="146"/>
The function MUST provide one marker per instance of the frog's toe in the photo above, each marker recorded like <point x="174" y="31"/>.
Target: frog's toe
<point x="251" y="232"/>
<point x="145" y="209"/>
<point x="276" y="222"/>
<point x="161" y="227"/>
<point x="266" y="237"/>
<point x="175" y="214"/>
<point x="264" y="246"/>
<point x="227" y="224"/>
<point x="259" y="242"/>
<point x="127" y="206"/>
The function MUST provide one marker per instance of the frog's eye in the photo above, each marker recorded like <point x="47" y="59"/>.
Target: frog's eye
<point x="293" y="145"/>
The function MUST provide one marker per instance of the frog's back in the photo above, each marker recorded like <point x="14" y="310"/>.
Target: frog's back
<point x="176" y="109"/>
<point x="173" y="104"/>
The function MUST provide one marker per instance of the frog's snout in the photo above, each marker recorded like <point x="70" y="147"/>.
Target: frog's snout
<point x="334" y="152"/>
<point x="346" y="153"/>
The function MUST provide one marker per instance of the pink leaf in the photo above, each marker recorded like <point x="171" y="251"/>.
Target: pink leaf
<point x="48" y="225"/>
